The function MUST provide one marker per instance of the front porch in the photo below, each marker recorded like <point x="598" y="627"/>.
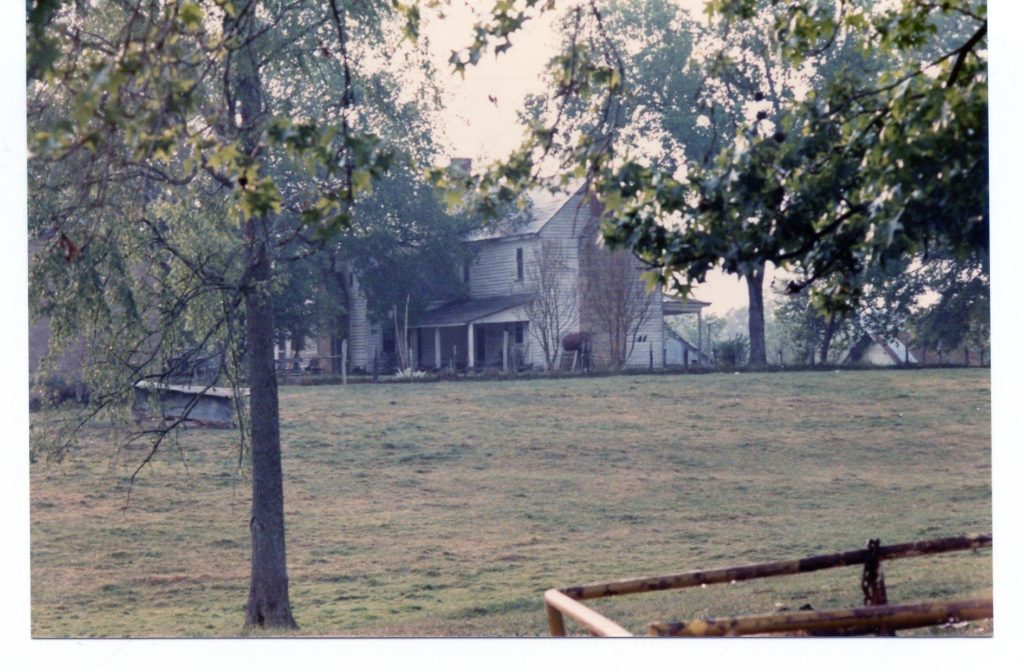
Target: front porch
<point x="679" y="351"/>
<point x="473" y="334"/>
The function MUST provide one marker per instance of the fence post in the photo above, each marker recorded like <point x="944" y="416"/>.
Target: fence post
<point x="700" y="338"/>
<point x="556" y="622"/>
<point x="711" y="348"/>
<point x="344" y="361"/>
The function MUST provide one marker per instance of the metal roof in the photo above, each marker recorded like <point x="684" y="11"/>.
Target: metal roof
<point x="462" y="312"/>
<point x="543" y="206"/>
<point x="201" y="390"/>
<point x="671" y="305"/>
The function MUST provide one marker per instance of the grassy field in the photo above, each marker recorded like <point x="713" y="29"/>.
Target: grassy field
<point x="448" y="508"/>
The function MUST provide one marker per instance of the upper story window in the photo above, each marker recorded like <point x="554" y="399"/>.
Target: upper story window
<point x="465" y="271"/>
<point x="519" y="263"/>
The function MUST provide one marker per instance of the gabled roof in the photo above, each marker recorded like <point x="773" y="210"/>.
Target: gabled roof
<point x="464" y="311"/>
<point x="895" y="350"/>
<point x="544" y="205"/>
<point x="673" y="305"/>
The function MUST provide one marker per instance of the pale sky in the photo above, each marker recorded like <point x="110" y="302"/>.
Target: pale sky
<point x="476" y="127"/>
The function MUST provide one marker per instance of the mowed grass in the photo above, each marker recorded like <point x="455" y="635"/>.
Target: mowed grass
<point x="448" y="508"/>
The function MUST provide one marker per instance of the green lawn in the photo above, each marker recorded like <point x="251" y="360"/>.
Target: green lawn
<point x="448" y="508"/>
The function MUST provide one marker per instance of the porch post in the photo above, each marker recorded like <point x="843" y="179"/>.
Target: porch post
<point x="504" y="350"/>
<point x="471" y="354"/>
<point x="700" y="336"/>
<point x="437" y="347"/>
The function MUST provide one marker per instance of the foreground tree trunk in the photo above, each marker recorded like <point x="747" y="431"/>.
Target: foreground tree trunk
<point x="755" y="318"/>
<point x="268" y="605"/>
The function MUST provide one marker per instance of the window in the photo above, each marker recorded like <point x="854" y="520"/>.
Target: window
<point x="642" y="338"/>
<point x="520" y="331"/>
<point x="465" y="271"/>
<point x="519" y="263"/>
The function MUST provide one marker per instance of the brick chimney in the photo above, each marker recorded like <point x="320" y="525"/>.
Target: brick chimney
<point x="461" y="167"/>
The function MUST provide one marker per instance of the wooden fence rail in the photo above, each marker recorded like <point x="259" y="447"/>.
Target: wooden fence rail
<point x="861" y="620"/>
<point x="566" y="602"/>
<point x="596" y="624"/>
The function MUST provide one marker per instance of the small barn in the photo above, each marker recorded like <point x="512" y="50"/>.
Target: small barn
<point x="873" y="350"/>
<point x="205" y="406"/>
<point x="680" y="352"/>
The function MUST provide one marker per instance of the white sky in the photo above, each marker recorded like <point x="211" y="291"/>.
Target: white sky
<point x="476" y="127"/>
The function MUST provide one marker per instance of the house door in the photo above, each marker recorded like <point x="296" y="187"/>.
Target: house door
<point x="479" y="335"/>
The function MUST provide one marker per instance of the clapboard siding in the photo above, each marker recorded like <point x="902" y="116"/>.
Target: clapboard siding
<point x="647" y="338"/>
<point x="570" y="221"/>
<point x="493" y="269"/>
<point x="650" y="339"/>
<point x="565" y="228"/>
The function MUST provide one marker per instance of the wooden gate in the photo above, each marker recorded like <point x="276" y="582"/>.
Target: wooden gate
<point x="876" y="617"/>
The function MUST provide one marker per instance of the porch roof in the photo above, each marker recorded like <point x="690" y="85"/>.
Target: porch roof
<point x="458" y="313"/>
<point x="672" y="305"/>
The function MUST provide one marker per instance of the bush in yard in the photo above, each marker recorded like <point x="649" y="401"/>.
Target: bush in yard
<point x="733" y="352"/>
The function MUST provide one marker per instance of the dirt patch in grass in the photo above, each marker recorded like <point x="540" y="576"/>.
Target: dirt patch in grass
<point x="451" y="510"/>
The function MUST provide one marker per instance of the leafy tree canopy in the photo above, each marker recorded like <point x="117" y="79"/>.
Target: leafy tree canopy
<point x="405" y="244"/>
<point x="876" y="163"/>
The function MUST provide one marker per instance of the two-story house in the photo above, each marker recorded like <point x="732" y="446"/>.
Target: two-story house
<point x="531" y="281"/>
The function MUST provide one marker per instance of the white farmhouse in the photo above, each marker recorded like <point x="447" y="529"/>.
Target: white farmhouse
<point x="532" y="280"/>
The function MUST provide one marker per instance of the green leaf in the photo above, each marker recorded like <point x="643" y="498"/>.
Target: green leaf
<point x="362" y="182"/>
<point x="190" y="14"/>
